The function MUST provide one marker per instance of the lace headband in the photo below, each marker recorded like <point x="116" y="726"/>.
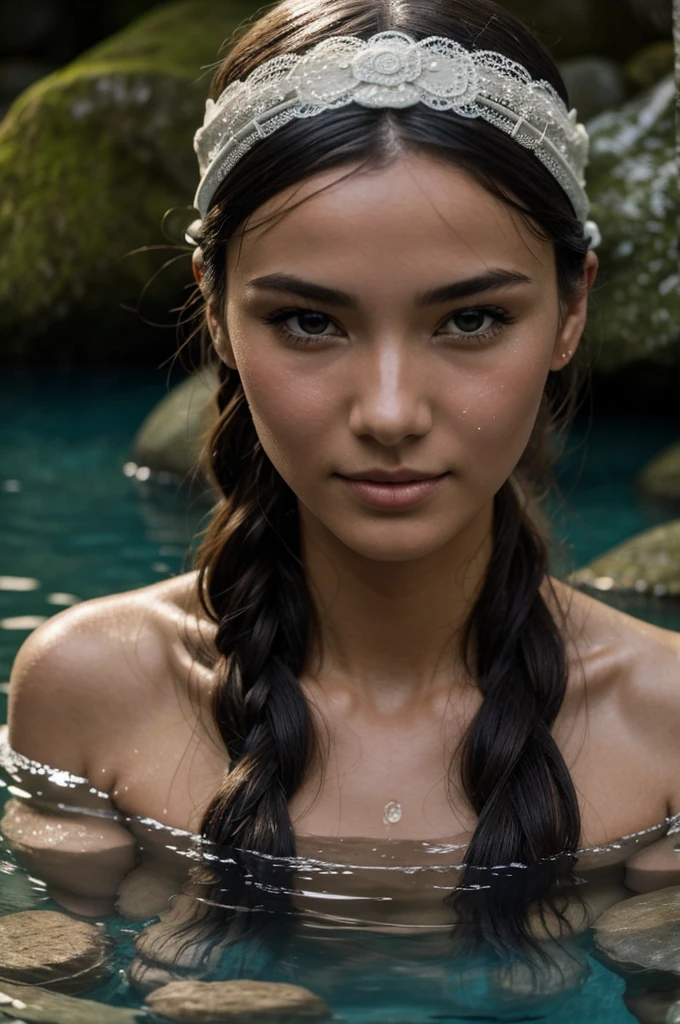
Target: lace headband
<point x="391" y="69"/>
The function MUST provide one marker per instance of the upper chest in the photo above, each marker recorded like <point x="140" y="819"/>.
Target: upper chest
<point x="171" y="765"/>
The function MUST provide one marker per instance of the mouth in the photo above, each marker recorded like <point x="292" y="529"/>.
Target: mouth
<point x="392" y="482"/>
<point x="391" y="496"/>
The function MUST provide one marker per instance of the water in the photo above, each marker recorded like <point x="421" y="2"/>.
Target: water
<point x="74" y="526"/>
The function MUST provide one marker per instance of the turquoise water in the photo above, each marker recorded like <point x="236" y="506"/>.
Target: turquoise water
<point x="74" y="526"/>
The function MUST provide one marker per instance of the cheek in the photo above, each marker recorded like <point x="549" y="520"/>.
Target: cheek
<point x="290" y="416"/>
<point x="493" y="414"/>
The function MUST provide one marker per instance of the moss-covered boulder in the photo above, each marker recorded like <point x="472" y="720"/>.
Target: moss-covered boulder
<point x="632" y="183"/>
<point x="661" y="477"/>
<point x="647" y="564"/>
<point x="91" y="157"/>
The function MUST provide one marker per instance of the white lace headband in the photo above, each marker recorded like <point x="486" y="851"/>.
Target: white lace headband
<point x="391" y="69"/>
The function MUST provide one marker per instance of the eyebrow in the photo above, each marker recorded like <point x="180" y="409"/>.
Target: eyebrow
<point x="496" y="278"/>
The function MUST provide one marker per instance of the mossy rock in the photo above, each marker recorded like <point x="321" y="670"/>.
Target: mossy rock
<point x="632" y="184"/>
<point x="91" y="158"/>
<point x="170" y="438"/>
<point x="647" y="564"/>
<point x="661" y="478"/>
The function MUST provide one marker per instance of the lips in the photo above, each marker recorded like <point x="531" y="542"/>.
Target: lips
<point x="394" y="477"/>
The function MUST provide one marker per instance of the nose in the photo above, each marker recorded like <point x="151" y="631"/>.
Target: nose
<point x="392" y="394"/>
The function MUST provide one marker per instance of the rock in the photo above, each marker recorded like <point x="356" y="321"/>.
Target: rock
<point x="244" y="1002"/>
<point x="515" y="982"/>
<point x="646" y="564"/>
<point x="661" y="478"/>
<point x="42" y="1006"/>
<point x="594" y="84"/>
<point x="43" y="947"/>
<point x="173" y="948"/>
<point x="91" y="158"/>
<point x="654" y="1007"/>
<point x="170" y="437"/>
<point x="649" y="65"/>
<point x="632" y="184"/>
<point x="643" y="931"/>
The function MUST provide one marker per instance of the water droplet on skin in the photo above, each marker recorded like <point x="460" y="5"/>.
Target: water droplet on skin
<point x="392" y="813"/>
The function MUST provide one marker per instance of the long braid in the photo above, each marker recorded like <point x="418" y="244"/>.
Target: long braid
<point x="512" y="770"/>
<point x="251" y="583"/>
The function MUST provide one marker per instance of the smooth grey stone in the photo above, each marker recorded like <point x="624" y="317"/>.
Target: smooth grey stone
<point x="643" y="931"/>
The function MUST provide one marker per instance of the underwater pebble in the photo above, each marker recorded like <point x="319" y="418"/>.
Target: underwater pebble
<point x="643" y="931"/>
<point x="42" y="1006"/>
<point x="44" y="947"/>
<point x="241" y="1001"/>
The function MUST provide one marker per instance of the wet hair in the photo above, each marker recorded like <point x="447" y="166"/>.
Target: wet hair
<point x="251" y="579"/>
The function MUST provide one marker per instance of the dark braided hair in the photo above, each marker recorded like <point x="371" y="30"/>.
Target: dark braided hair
<point x="251" y="581"/>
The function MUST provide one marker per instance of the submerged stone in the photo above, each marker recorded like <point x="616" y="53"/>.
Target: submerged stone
<point x="661" y="477"/>
<point x="36" y="1005"/>
<point x="647" y="564"/>
<point x="43" y="947"/>
<point x="643" y="931"/>
<point x="240" y="1001"/>
<point x="632" y="184"/>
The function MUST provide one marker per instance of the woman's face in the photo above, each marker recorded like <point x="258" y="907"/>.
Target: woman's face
<point x="367" y="369"/>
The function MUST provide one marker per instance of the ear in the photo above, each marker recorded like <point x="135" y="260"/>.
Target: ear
<point x="574" y="317"/>
<point x="218" y="334"/>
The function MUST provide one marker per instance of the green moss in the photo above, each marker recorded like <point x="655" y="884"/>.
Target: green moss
<point x="646" y="564"/>
<point x="91" y="157"/>
<point x="632" y="183"/>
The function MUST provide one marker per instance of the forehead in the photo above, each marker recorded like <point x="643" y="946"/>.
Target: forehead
<point x="417" y="212"/>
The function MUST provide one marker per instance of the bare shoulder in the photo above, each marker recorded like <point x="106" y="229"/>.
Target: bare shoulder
<point x="91" y="668"/>
<point x="634" y="666"/>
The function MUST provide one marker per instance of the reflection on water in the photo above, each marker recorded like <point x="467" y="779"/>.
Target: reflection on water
<point x="360" y="922"/>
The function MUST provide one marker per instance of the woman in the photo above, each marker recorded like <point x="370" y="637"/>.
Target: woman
<point x="395" y="289"/>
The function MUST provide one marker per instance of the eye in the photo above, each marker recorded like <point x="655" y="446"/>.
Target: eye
<point x="311" y="320"/>
<point x="471" y="320"/>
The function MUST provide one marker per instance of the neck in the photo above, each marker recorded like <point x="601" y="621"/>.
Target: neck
<point x="392" y="630"/>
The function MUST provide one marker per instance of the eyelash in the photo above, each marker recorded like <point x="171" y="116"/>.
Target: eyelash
<point x="278" y="317"/>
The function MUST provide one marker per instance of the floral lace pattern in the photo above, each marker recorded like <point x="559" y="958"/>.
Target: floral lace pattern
<point x="391" y="69"/>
